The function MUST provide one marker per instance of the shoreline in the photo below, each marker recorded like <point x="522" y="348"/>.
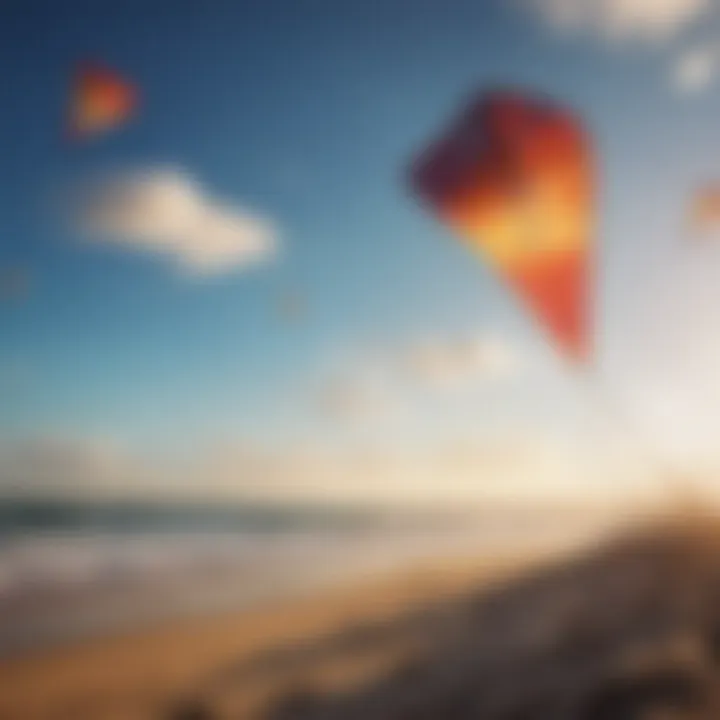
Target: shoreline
<point x="79" y="587"/>
<point x="140" y="674"/>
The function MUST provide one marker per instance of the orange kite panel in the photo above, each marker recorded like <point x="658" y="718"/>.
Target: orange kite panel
<point x="705" y="210"/>
<point x="514" y="177"/>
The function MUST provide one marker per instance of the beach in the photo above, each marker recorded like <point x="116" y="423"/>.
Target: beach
<point x="97" y="625"/>
<point x="146" y="674"/>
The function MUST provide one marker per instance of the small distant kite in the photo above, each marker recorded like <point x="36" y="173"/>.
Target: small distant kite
<point x="705" y="209"/>
<point x="514" y="176"/>
<point x="101" y="100"/>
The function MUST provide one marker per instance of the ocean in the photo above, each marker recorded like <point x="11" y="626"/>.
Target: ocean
<point x="72" y="570"/>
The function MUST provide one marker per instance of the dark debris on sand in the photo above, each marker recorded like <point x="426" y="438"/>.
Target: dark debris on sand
<point x="629" y="632"/>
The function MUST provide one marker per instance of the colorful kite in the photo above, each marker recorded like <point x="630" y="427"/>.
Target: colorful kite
<point x="101" y="100"/>
<point x="514" y="176"/>
<point x="705" y="209"/>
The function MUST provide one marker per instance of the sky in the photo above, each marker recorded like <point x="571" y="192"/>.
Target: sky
<point x="139" y="358"/>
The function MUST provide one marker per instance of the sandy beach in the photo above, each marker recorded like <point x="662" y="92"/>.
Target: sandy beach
<point x="106" y="625"/>
<point x="151" y="673"/>
<point x="624" y="628"/>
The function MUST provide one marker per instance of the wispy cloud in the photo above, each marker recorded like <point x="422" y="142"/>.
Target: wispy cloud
<point x="59" y="466"/>
<point x="87" y="468"/>
<point x="356" y="397"/>
<point x="644" y="20"/>
<point x="696" y="69"/>
<point x="388" y="382"/>
<point x="166" y="212"/>
<point x="459" y="363"/>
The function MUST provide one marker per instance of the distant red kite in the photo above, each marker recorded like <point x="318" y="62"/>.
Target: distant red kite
<point x="101" y="100"/>
<point x="705" y="208"/>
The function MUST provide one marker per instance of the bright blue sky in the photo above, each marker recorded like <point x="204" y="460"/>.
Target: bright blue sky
<point x="307" y="111"/>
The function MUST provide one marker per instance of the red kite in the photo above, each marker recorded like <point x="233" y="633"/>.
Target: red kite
<point x="101" y="100"/>
<point x="705" y="208"/>
<point x="514" y="177"/>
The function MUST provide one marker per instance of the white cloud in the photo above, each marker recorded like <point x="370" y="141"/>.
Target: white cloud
<point x="623" y="19"/>
<point x="459" y="363"/>
<point x="696" y="69"/>
<point x="57" y="466"/>
<point x="355" y="398"/>
<point x="165" y="211"/>
<point x="387" y="385"/>
<point x="514" y="466"/>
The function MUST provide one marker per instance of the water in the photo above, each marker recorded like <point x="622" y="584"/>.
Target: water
<point x="18" y="517"/>
<point x="69" y="570"/>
